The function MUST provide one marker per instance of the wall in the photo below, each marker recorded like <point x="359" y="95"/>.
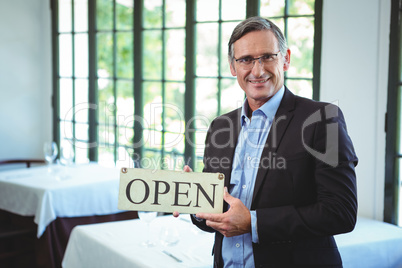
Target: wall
<point x="25" y="78"/>
<point x="354" y="72"/>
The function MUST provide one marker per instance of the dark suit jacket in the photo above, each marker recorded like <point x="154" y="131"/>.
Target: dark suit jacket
<point x="305" y="189"/>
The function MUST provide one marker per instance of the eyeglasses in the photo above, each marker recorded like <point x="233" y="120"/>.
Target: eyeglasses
<point x="247" y="63"/>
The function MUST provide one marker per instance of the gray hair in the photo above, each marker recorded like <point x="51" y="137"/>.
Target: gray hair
<point x="256" y="24"/>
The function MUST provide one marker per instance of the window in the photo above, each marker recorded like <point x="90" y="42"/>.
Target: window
<point x="393" y="170"/>
<point x="138" y="82"/>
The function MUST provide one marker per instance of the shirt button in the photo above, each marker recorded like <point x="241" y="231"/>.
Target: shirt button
<point x="237" y="245"/>
<point x="249" y="158"/>
<point x="244" y="186"/>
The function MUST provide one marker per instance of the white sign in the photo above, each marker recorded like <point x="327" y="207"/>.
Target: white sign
<point x="169" y="191"/>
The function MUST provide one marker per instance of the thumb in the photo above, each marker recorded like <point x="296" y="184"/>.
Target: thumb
<point x="227" y="197"/>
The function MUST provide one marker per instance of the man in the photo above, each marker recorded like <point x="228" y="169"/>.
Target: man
<point x="290" y="180"/>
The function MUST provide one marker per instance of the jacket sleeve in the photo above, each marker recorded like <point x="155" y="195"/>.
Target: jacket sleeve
<point x="330" y="168"/>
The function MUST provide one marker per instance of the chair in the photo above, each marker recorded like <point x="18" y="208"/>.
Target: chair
<point x="17" y="235"/>
<point x="28" y="162"/>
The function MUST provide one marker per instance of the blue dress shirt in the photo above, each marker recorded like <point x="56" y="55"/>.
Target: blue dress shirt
<point x="237" y="251"/>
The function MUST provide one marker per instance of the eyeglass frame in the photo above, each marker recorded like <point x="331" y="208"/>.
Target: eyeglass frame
<point x="255" y="59"/>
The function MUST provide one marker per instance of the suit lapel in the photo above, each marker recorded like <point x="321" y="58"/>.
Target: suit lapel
<point x="230" y="151"/>
<point x="279" y="125"/>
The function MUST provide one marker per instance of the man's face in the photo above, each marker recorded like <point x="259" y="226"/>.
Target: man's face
<point x="262" y="81"/>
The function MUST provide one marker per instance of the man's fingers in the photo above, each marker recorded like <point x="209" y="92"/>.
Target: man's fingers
<point x="186" y="168"/>
<point x="176" y="214"/>
<point x="210" y="217"/>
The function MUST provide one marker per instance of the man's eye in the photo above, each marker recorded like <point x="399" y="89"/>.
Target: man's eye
<point x="246" y="60"/>
<point x="267" y="57"/>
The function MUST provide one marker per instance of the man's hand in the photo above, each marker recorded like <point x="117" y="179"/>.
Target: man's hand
<point x="185" y="169"/>
<point x="235" y="221"/>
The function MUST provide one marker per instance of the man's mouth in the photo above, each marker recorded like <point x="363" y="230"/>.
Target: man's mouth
<point x="259" y="81"/>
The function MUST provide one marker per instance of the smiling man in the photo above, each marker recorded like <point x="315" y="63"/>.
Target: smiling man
<point x="277" y="215"/>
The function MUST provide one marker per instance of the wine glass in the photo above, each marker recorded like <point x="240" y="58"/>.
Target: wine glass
<point x="169" y="236"/>
<point x="66" y="153"/>
<point x="147" y="217"/>
<point x="51" y="151"/>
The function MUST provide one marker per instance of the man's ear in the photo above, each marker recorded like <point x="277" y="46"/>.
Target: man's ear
<point x="232" y="68"/>
<point x="286" y="62"/>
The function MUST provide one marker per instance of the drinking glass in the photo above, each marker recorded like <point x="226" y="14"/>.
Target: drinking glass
<point x="169" y="236"/>
<point x="66" y="153"/>
<point x="147" y="217"/>
<point x="50" y="150"/>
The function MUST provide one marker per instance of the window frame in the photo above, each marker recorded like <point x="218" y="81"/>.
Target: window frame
<point x="393" y="118"/>
<point x="252" y="9"/>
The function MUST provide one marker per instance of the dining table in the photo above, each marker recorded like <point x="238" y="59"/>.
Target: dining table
<point x="371" y="244"/>
<point x="176" y="243"/>
<point x="57" y="198"/>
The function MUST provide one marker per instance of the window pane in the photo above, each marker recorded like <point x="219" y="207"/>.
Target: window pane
<point x="227" y="29"/>
<point x="105" y="54"/>
<point x="151" y="159"/>
<point x="126" y="136"/>
<point x="81" y="100"/>
<point x="81" y="132"/>
<point x="125" y="104"/>
<point x="65" y="16"/>
<point x="301" y="44"/>
<point x="174" y="142"/>
<point x="153" y="14"/>
<point x="152" y="55"/>
<point x="81" y="153"/>
<point x="152" y="139"/>
<point x="65" y="55"/>
<point x="173" y="160"/>
<point x="174" y="108"/>
<point x="66" y="99"/>
<point x="175" y="55"/>
<point x="272" y="8"/>
<point x="124" y="55"/>
<point x="105" y="101"/>
<point x="207" y="10"/>
<point x="81" y="55"/>
<point x="152" y="93"/>
<point x="280" y="22"/>
<point x="199" y="146"/>
<point x="175" y="13"/>
<point x="81" y="15"/>
<point x="232" y="95"/>
<point x="124" y="157"/>
<point x="124" y="14"/>
<point x="206" y="98"/>
<point x="153" y="105"/>
<point x="302" y="88"/>
<point x="106" y="156"/>
<point x="106" y="135"/>
<point x="104" y="14"/>
<point x="207" y="49"/>
<point x="233" y="9"/>
<point x="301" y="7"/>
<point x="66" y="130"/>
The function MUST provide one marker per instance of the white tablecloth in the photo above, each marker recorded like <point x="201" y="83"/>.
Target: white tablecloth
<point x="372" y="244"/>
<point x="82" y="190"/>
<point x="118" y="244"/>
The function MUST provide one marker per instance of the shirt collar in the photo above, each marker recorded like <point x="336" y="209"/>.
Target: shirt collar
<point x="268" y="109"/>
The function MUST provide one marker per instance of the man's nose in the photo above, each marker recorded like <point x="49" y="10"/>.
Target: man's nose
<point x="258" y="67"/>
